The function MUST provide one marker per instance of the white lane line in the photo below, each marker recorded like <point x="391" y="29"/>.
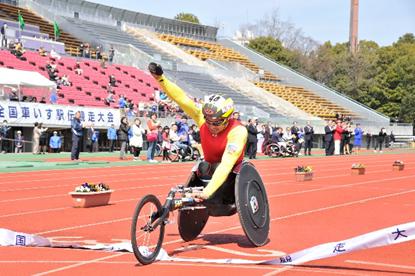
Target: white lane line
<point x="134" y="263"/>
<point x="381" y="264"/>
<point x="79" y="264"/>
<point x="84" y="226"/>
<point x="268" y="183"/>
<point x="327" y="271"/>
<point x="34" y="212"/>
<point x="341" y="186"/>
<point x="360" y="201"/>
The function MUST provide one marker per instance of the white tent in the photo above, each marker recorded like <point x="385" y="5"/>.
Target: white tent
<point x="17" y="79"/>
<point x="12" y="77"/>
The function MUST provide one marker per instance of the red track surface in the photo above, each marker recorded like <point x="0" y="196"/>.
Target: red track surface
<point x="334" y="206"/>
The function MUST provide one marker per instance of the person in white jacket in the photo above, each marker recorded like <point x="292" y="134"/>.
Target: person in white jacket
<point x="136" y="141"/>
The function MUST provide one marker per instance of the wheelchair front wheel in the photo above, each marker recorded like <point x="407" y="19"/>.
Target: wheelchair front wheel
<point x="147" y="229"/>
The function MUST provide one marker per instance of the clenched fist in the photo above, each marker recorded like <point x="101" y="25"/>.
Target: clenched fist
<point x="155" y="69"/>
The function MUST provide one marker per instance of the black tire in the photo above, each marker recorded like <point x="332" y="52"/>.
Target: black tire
<point x="196" y="154"/>
<point x="147" y="258"/>
<point x="158" y="151"/>
<point x="255" y="221"/>
<point x="174" y="154"/>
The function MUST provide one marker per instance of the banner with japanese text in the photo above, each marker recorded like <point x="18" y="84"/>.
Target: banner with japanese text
<point x="26" y="114"/>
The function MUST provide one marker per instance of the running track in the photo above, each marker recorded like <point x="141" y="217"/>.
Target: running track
<point x="334" y="206"/>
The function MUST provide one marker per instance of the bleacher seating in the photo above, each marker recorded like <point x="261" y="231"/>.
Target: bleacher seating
<point x="90" y="88"/>
<point x="305" y="100"/>
<point x="11" y="13"/>
<point x="210" y="50"/>
<point x="209" y="85"/>
<point x="301" y="98"/>
<point x="113" y="34"/>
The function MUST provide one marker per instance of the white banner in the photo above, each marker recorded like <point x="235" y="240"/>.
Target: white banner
<point x="387" y="236"/>
<point x="26" y="114"/>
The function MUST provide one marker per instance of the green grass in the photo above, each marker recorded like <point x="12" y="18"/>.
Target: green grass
<point x="28" y="162"/>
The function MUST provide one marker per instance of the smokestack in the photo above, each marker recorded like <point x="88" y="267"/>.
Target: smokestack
<point x="354" y="25"/>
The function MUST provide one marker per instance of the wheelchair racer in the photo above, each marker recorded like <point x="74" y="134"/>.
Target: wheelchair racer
<point x="223" y="139"/>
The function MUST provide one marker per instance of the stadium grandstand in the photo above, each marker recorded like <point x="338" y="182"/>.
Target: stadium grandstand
<point x="96" y="54"/>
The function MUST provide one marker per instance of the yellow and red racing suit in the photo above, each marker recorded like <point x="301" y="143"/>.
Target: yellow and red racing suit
<point x="226" y="148"/>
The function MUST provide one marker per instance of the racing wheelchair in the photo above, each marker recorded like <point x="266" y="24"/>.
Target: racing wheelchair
<point x="243" y="193"/>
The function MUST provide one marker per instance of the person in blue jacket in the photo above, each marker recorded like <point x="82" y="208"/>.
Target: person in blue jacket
<point x="112" y="137"/>
<point x="55" y="142"/>
<point x="358" y="135"/>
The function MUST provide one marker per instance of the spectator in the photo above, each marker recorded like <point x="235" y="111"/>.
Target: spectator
<point x="54" y="54"/>
<point x="4" y="129"/>
<point x="55" y="142"/>
<point x="236" y="116"/>
<point x="141" y="109"/>
<point x="337" y="136"/>
<point x="308" y="138"/>
<point x="14" y="97"/>
<point x="18" y="142"/>
<point x="265" y="131"/>
<point x="195" y="133"/>
<point x="111" y="52"/>
<point x="112" y="81"/>
<point x="368" y="140"/>
<point x="347" y="135"/>
<point x="53" y="99"/>
<point x="91" y="138"/>
<point x="42" y="52"/>
<point x="103" y="63"/>
<point x="36" y="136"/>
<point x="123" y="136"/>
<point x="122" y="104"/>
<point x="295" y="132"/>
<point x="136" y="141"/>
<point x="109" y="99"/>
<point x="43" y="139"/>
<point x="3" y="32"/>
<point x="98" y="52"/>
<point x="77" y="134"/>
<point x="183" y="130"/>
<point x="358" y="135"/>
<point x="252" y="139"/>
<point x="152" y="125"/>
<point x="82" y="50"/>
<point x="65" y="80"/>
<point x="77" y="69"/>
<point x="380" y="140"/>
<point x="165" y="145"/>
<point x="112" y="137"/>
<point x="19" y="51"/>
<point x="87" y="51"/>
<point x="392" y="139"/>
<point x="328" y="137"/>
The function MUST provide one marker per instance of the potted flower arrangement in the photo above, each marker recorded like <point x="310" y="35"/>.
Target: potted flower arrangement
<point x="358" y="169"/>
<point x="303" y="173"/>
<point x="398" y="165"/>
<point x="90" y="195"/>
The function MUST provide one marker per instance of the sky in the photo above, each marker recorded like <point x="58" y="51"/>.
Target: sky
<point x="382" y="21"/>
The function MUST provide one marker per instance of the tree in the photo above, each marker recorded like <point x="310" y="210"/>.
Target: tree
<point x="284" y="31"/>
<point x="273" y="49"/>
<point x="188" y="17"/>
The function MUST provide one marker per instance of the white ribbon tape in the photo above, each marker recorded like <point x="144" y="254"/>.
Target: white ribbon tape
<point x="387" y="236"/>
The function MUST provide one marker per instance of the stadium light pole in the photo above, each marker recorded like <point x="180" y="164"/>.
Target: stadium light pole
<point x="354" y="25"/>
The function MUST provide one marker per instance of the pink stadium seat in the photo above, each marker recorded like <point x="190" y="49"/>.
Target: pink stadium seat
<point x="132" y="82"/>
